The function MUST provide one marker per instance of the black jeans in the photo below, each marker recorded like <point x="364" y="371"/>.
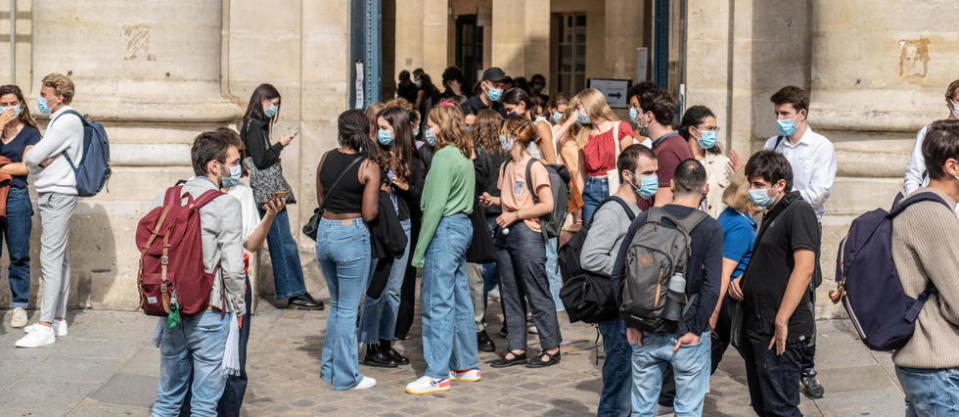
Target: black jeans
<point x="235" y="390"/>
<point x="773" y="379"/>
<point x="521" y="260"/>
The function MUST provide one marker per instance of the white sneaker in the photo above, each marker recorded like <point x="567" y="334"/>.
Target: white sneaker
<point x="59" y="325"/>
<point x="366" y="383"/>
<point x="19" y="318"/>
<point x="468" y="375"/>
<point x="427" y="385"/>
<point x="37" y="337"/>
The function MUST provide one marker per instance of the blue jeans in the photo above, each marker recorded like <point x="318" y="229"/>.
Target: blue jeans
<point x="343" y="251"/>
<point x="930" y="392"/>
<point x="379" y="314"/>
<point x="552" y="272"/>
<point x="285" y="257"/>
<point x="15" y="229"/>
<point x="691" y="365"/>
<point x="594" y="192"/>
<point x="449" y="334"/>
<point x="614" y="398"/>
<point x="193" y="348"/>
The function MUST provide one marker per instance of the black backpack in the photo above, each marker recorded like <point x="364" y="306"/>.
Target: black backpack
<point x="551" y="223"/>
<point x="586" y="295"/>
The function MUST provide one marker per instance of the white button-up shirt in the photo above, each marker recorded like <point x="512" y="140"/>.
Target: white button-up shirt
<point x="813" y="160"/>
<point x="916" y="175"/>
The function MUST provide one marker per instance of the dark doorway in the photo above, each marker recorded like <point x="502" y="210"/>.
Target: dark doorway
<point x="469" y="49"/>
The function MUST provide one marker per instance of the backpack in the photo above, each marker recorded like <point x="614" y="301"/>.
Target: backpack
<point x="171" y="273"/>
<point x="869" y="285"/>
<point x="660" y="248"/>
<point x="552" y="223"/>
<point x="93" y="170"/>
<point x="585" y="294"/>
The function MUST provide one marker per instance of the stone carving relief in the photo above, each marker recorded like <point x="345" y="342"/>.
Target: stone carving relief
<point x="913" y="58"/>
<point x="138" y="43"/>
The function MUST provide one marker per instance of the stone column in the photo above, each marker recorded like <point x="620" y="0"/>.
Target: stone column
<point x="623" y="34"/>
<point x="421" y="37"/>
<point x="520" y="38"/>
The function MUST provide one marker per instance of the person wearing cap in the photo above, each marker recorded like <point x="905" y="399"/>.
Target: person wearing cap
<point x="491" y="91"/>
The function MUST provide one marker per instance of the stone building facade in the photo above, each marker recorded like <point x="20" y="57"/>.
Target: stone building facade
<point x="157" y="74"/>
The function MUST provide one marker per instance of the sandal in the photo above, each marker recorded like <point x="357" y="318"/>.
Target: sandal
<point x="506" y="362"/>
<point x="538" y="362"/>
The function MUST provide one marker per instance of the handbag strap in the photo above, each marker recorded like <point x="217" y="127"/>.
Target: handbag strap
<point x="336" y="182"/>
<point x="616" y="143"/>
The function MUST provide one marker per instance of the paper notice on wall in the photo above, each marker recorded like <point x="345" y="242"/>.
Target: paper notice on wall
<point x="359" y="85"/>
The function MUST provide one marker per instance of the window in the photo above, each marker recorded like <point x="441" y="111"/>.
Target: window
<point x="570" y="53"/>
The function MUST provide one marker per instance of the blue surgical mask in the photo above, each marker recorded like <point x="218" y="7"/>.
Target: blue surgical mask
<point x="581" y="118"/>
<point x="786" y="126"/>
<point x="16" y="110"/>
<point x="234" y="178"/>
<point x="506" y="142"/>
<point x="647" y="187"/>
<point x="416" y="130"/>
<point x="494" y="94"/>
<point x="707" y="138"/>
<point x="385" y="137"/>
<point x="760" y="197"/>
<point x="430" y="137"/>
<point x="633" y="114"/>
<point x="270" y="111"/>
<point x="42" y="105"/>
<point x="557" y="117"/>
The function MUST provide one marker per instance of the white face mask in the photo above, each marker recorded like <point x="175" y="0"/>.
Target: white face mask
<point x="955" y="109"/>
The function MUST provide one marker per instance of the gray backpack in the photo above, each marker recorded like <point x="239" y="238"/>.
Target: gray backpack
<point x="659" y="249"/>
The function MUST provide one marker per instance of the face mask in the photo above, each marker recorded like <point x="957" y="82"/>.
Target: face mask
<point x="506" y="142"/>
<point x="581" y="118"/>
<point x="557" y="117"/>
<point x="385" y="137"/>
<point x="647" y="186"/>
<point x="634" y="115"/>
<point x="494" y="93"/>
<point x="270" y="111"/>
<point x="42" y="105"/>
<point x="234" y="178"/>
<point x="16" y="110"/>
<point x="760" y="197"/>
<point x="419" y="84"/>
<point x="707" y="138"/>
<point x="430" y="137"/>
<point x="955" y="109"/>
<point x="786" y="127"/>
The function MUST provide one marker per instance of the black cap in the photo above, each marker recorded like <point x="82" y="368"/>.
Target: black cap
<point x="493" y="74"/>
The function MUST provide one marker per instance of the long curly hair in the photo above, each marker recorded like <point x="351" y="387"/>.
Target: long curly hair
<point x="452" y="129"/>
<point x="486" y="130"/>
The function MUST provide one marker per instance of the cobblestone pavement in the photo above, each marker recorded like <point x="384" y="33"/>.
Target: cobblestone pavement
<point x="106" y="367"/>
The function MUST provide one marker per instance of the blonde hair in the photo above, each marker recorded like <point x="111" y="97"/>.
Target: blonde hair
<point x="61" y="84"/>
<point x="596" y="108"/>
<point x="736" y="194"/>
<point x="452" y="129"/>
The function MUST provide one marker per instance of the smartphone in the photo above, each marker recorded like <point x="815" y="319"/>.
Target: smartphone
<point x="278" y="194"/>
<point x="295" y="133"/>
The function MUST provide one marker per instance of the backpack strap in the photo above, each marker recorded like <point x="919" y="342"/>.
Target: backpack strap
<point x="529" y="180"/>
<point x="206" y="197"/>
<point x="913" y="313"/>
<point x="779" y="140"/>
<point x="913" y="199"/>
<point x="621" y="202"/>
<point x="83" y="121"/>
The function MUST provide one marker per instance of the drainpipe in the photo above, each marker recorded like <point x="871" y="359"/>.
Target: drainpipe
<point x="365" y="51"/>
<point x="373" y="54"/>
<point x="13" y="42"/>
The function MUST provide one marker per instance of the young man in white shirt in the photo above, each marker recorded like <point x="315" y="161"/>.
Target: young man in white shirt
<point x="56" y="186"/>
<point x="916" y="174"/>
<point x="813" y="160"/>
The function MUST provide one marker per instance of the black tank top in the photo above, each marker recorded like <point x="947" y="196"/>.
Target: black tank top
<point x="348" y="196"/>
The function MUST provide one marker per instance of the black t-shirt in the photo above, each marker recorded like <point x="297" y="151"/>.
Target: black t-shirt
<point x="407" y="91"/>
<point x="789" y="226"/>
<point x="28" y="136"/>
<point x="475" y="104"/>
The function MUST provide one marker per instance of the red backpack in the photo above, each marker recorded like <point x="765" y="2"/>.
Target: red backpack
<point x="171" y="256"/>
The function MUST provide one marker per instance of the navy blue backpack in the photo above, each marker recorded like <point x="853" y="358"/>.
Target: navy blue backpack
<point x="93" y="171"/>
<point x="869" y="285"/>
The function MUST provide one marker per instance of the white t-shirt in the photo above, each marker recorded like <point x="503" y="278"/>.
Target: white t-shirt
<point x="249" y="213"/>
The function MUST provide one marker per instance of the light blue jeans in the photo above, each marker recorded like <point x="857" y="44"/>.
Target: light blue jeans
<point x="691" y="366"/>
<point x="930" y="392"/>
<point x="449" y="334"/>
<point x="552" y="272"/>
<point x="194" y="347"/>
<point x="595" y="191"/>
<point x="379" y="314"/>
<point x="343" y="251"/>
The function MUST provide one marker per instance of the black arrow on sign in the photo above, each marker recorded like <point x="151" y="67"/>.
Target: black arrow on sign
<point x="616" y="95"/>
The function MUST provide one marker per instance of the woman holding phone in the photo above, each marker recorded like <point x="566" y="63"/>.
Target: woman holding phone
<point x="268" y="182"/>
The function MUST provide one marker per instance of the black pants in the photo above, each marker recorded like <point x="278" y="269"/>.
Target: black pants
<point x="407" y="310"/>
<point x="235" y="389"/>
<point x="773" y="379"/>
<point x="809" y="347"/>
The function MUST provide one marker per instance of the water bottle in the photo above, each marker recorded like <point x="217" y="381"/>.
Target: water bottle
<point x="675" y="297"/>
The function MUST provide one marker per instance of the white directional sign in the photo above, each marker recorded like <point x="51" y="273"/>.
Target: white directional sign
<point x="615" y="90"/>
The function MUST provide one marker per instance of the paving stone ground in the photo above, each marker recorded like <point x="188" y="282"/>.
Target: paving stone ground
<point x="106" y="367"/>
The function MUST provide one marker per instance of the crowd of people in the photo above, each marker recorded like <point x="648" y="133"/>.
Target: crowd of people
<point x="475" y="191"/>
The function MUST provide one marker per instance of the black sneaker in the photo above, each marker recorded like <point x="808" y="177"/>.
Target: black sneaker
<point x="378" y="358"/>
<point x="810" y="385"/>
<point x="484" y="343"/>
<point x="305" y="302"/>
